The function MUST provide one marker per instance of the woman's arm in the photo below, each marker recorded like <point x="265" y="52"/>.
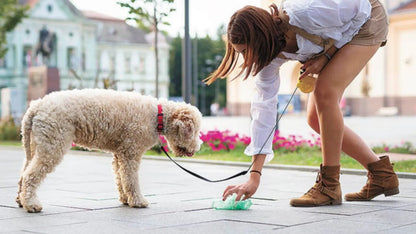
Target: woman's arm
<point x="263" y="110"/>
<point x="315" y="65"/>
<point x="250" y="186"/>
<point x="256" y="169"/>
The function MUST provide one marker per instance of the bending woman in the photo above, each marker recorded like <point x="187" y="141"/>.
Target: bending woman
<point x="265" y="41"/>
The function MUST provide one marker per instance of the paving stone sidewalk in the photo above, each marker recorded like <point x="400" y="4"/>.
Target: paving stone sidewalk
<point x="80" y="197"/>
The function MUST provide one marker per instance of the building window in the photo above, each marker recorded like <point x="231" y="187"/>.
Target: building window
<point x="27" y="56"/>
<point x="3" y="63"/>
<point x="112" y="64"/>
<point x="141" y="64"/>
<point x="127" y="65"/>
<point x="49" y="8"/>
<point x="71" y="58"/>
<point x="83" y="65"/>
<point x="98" y="61"/>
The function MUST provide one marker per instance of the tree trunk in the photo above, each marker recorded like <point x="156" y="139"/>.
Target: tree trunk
<point x="156" y="53"/>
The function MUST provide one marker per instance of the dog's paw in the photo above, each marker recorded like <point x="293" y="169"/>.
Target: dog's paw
<point x="138" y="202"/>
<point x="124" y="200"/>
<point x="33" y="207"/>
<point x="18" y="201"/>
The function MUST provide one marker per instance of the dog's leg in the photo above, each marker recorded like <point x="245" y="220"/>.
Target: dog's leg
<point x="27" y="160"/>
<point x="130" y="180"/>
<point x="116" y="167"/>
<point x="42" y="164"/>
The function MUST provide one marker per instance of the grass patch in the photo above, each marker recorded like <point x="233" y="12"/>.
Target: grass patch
<point x="11" y="143"/>
<point x="307" y="156"/>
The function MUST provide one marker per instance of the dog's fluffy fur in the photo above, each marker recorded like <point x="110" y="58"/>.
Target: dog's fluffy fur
<point x="123" y="123"/>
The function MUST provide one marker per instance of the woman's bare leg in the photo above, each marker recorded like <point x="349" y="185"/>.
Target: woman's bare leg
<point x="352" y="144"/>
<point x="330" y="86"/>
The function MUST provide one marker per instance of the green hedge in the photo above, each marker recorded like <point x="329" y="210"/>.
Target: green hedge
<point x="9" y="131"/>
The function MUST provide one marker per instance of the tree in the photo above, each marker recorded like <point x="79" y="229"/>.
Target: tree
<point x="149" y="14"/>
<point x="209" y="56"/>
<point x="11" y="14"/>
<point x="175" y="67"/>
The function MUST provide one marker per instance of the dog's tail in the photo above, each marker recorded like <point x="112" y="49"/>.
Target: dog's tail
<point x="27" y="130"/>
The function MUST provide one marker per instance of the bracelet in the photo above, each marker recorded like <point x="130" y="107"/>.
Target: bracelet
<point x="255" y="171"/>
<point x="328" y="56"/>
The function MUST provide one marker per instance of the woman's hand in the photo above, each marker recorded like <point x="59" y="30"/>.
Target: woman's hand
<point x="313" y="66"/>
<point x="247" y="189"/>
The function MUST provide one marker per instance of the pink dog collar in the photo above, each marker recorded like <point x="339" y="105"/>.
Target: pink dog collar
<point x="159" y="118"/>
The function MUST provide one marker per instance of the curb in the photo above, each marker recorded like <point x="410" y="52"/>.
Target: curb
<point x="402" y="175"/>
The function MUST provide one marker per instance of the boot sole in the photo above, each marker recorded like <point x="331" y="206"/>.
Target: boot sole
<point x="386" y="193"/>
<point x="391" y="192"/>
<point x="328" y="203"/>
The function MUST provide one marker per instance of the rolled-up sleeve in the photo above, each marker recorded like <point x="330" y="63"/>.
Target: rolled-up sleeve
<point x="264" y="110"/>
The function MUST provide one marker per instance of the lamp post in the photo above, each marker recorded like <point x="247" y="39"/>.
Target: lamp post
<point x="187" y="63"/>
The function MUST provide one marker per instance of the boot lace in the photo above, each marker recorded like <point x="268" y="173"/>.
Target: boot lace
<point x="317" y="186"/>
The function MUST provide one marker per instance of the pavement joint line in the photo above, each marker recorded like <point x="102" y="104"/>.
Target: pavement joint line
<point x="6" y="206"/>
<point x="252" y="222"/>
<point x="23" y="230"/>
<point x="337" y="214"/>
<point x="264" y="199"/>
<point x="199" y="209"/>
<point x="7" y="187"/>
<point x="78" y="209"/>
<point x="214" y="221"/>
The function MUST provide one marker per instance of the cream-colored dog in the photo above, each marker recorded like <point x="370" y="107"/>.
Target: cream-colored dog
<point x="123" y="123"/>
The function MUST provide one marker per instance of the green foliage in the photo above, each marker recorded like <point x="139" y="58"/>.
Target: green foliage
<point x="405" y="166"/>
<point x="405" y="148"/>
<point x="11" y="14"/>
<point x="9" y="131"/>
<point x="148" y="14"/>
<point x="175" y="67"/>
<point x="209" y="55"/>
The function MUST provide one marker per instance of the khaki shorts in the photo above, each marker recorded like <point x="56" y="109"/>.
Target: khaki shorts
<point x="375" y="30"/>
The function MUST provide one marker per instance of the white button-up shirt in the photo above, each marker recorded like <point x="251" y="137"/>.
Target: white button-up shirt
<point x="337" y="19"/>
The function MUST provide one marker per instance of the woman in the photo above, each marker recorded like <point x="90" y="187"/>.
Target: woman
<point x="357" y="28"/>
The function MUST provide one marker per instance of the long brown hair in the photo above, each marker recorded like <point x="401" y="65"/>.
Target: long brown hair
<point x="260" y="31"/>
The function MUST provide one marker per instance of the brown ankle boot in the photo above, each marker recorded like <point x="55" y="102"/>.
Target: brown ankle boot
<point x="381" y="180"/>
<point x="326" y="191"/>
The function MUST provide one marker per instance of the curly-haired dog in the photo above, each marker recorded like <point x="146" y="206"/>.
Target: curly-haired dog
<point x="123" y="123"/>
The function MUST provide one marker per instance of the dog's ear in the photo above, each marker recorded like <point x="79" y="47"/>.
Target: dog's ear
<point x="184" y="124"/>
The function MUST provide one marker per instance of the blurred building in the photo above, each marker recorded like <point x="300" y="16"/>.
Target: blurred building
<point x="384" y="87"/>
<point x="90" y="50"/>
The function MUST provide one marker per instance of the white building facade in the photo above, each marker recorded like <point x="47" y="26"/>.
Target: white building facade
<point x="90" y="51"/>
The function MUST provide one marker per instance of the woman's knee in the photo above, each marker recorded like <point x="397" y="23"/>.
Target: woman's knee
<point x="325" y="97"/>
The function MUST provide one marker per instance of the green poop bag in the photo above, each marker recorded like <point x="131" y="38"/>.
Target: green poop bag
<point x="231" y="204"/>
